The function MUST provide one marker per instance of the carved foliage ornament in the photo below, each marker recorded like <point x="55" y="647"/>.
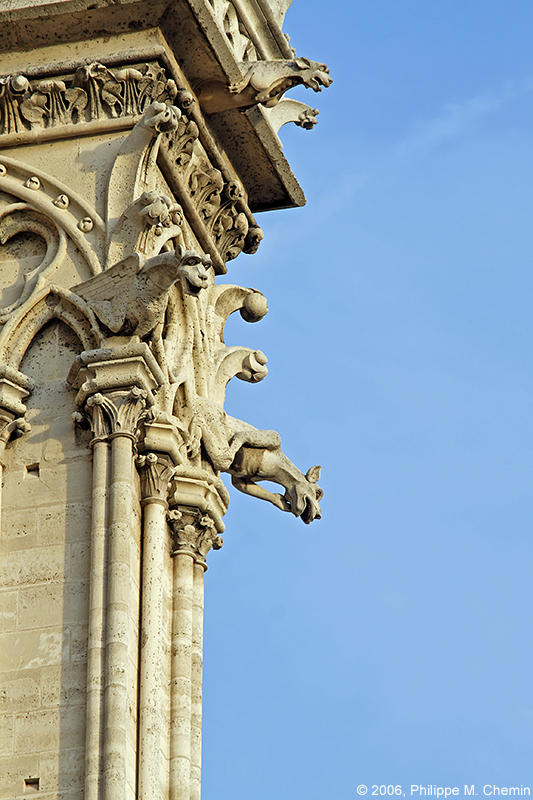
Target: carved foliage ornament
<point x="193" y="533"/>
<point x="221" y="206"/>
<point x="98" y="92"/>
<point x="93" y="92"/>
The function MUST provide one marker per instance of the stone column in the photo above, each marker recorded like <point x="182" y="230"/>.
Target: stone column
<point x="124" y="408"/>
<point x="155" y="472"/>
<point x="97" y="586"/>
<point x="194" y="533"/>
<point x="115" y="384"/>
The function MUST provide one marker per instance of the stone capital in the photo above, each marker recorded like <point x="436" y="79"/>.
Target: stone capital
<point x="116" y="368"/>
<point x="115" y="386"/>
<point x="14" y="388"/>
<point x="164" y="437"/>
<point x="193" y="533"/>
<point x="201" y="492"/>
<point x="155" y="472"/>
<point x="116" y="413"/>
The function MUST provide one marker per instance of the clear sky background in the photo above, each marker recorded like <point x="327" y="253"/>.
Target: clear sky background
<point x="390" y="642"/>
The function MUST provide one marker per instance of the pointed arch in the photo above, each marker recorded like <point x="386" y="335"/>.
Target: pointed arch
<point x="52" y="303"/>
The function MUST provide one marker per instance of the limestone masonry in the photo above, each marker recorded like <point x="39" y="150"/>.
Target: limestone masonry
<point x="138" y="138"/>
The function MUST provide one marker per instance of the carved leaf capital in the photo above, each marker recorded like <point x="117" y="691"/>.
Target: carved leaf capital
<point x="156" y="474"/>
<point x="193" y="533"/>
<point x="119" y="412"/>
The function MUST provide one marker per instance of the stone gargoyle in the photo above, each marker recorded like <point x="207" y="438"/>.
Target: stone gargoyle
<point x="131" y="297"/>
<point x="251" y="455"/>
<point x="253" y="463"/>
<point x="264" y="82"/>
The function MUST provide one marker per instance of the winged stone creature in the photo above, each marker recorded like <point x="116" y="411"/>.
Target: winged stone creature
<point x="131" y="297"/>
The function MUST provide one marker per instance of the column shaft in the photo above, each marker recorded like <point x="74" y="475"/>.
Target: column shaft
<point x="196" y="680"/>
<point x="180" y="728"/>
<point x="96" y="633"/>
<point x="116" y="778"/>
<point x="153" y="734"/>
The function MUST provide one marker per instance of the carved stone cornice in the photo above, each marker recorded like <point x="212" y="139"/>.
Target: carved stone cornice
<point x="156" y="473"/>
<point x="97" y="98"/>
<point x="92" y="93"/>
<point x="118" y="368"/>
<point x="193" y="533"/>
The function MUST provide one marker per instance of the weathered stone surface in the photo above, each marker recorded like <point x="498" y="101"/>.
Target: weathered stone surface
<point x="137" y="138"/>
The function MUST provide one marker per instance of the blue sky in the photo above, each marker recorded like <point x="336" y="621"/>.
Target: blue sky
<point x="390" y="642"/>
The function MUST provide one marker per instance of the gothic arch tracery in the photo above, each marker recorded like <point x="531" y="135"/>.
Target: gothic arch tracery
<point x="52" y="303"/>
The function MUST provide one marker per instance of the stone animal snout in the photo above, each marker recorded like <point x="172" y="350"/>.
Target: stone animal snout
<point x="161" y="117"/>
<point x="314" y="75"/>
<point x="303" y="496"/>
<point x="194" y="269"/>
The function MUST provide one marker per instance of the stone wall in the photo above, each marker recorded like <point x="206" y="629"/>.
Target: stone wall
<point x="44" y="556"/>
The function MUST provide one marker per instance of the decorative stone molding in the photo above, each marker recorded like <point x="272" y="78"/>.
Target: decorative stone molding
<point x="193" y="533"/>
<point x="123" y="368"/>
<point x="51" y="303"/>
<point x="93" y="92"/>
<point x="252" y="31"/>
<point x="288" y="110"/>
<point x="14" y="388"/>
<point x="22" y="218"/>
<point x="122" y="96"/>
<point x="49" y="208"/>
<point x="156" y="473"/>
<point x="120" y="410"/>
<point x="234" y="29"/>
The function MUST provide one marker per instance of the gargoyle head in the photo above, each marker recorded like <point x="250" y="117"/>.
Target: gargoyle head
<point x="161" y="117"/>
<point x="303" y="496"/>
<point x="194" y="270"/>
<point x="315" y="75"/>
